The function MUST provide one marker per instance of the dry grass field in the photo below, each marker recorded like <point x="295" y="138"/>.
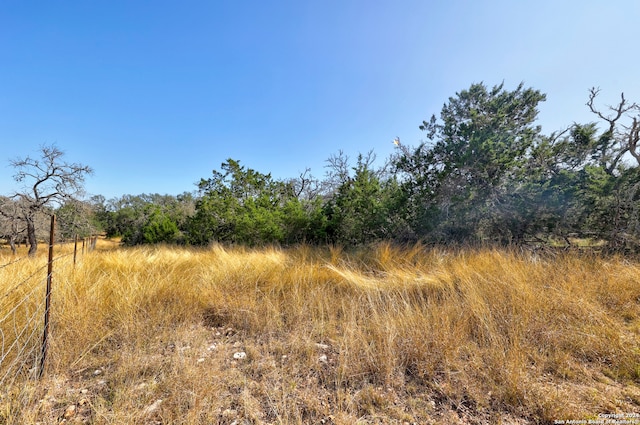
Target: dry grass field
<point x="384" y="335"/>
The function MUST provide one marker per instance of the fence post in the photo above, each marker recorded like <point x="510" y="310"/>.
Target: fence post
<point x="47" y="304"/>
<point x="75" y="250"/>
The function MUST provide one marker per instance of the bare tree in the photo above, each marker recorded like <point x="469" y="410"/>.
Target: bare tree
<point x="11" y="225"/>
<point x="337" y="170"/>
<point x="47" y="181"/>
<point x="74" y="218"/>
<point x="305" y="187"/>
<point x="618" y="139"/>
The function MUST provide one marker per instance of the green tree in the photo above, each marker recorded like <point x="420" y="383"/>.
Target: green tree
<point x="148" y="218"/>
<point x="601" y="165"/>
<point x="461" y="181"/>
<point x="159" y="227"/>
<point x="242" y="205"/>
<point x="360" y="210"/>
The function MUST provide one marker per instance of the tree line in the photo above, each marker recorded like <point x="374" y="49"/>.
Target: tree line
<point x="485" y="174"/>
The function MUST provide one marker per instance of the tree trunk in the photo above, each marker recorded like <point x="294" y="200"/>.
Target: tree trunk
<point x="31" y="236"/>
<point x="12" y="244"/>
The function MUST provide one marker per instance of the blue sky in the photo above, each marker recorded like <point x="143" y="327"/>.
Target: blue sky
<point x="153" y="95"/>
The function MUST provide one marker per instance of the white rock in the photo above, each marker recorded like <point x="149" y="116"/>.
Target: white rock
<point x="97" y="372"/>
<point x="200" y="360"/>
<point x="322" y="346"/>
<point x="228" y="413"/>
<point x="151" y="409"/>
<point x="70" y="411"/>
<point x="239" y="355"/>
<point x="323" y="358"/>
<point x="212" y="347"/>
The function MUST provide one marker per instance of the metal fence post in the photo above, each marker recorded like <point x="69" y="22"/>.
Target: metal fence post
<point x="75" y="250"/>
<point x="47" y="307"/>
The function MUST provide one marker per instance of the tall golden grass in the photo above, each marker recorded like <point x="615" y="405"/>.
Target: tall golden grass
<point x="380" y="335"/>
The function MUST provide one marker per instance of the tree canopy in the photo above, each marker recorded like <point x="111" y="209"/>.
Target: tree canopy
<point x="485" y="174"/>
<point x="48" y="181"/>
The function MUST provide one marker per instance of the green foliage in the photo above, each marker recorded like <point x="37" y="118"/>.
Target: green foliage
<point x="240" y="205"/>
<point x="147" y="218"/>
<point x="486" y="174"/>
<point x="359" y="212"/>
<point x="462" y="181"/>
<point x="159" y="227"/>
<point x="611" y="206"/>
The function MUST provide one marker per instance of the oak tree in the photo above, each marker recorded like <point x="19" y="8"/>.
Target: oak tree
<point x="47" y="182"/>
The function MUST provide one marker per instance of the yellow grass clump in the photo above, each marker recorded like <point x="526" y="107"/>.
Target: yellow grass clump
<point x="225" y="335"/>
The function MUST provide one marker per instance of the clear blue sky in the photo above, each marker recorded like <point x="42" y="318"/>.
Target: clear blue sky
<point x="155" y="94"/>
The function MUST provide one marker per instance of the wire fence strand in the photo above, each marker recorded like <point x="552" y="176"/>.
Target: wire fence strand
<point x="22" y="301"/>
<point x="21" y="351"/>
<point x="24" y="281"/>
<point x="13" y="262"/>
<point x="23" y="334"/>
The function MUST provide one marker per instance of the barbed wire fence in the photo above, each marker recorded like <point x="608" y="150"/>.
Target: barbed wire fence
<point x="25" y="308"/>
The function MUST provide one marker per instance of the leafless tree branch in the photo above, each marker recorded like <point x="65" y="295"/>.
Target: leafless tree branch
<point x="47" y="180"/>
<point x="621" y="141"/>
